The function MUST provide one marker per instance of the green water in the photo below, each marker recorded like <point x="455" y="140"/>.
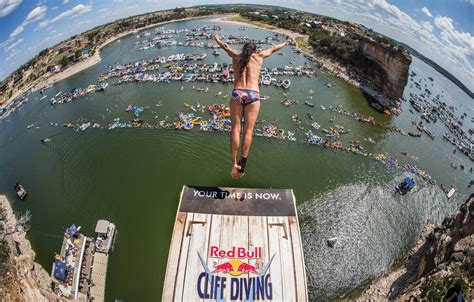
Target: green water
<point x="134" y="176"/>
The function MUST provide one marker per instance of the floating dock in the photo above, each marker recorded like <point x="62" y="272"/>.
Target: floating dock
<point x="234" y="244"/>
<point x="79" y="271"/>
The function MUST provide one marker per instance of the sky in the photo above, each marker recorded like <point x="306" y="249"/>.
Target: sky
<point x="442" y="30"/>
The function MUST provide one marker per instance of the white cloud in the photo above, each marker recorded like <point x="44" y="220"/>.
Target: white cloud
<point x="427" y="25"/>
<point x="14" y="53"/>
<point x="20" y="28"/>
<point x="6" y="42"/>
<point x="12" y="46"/>
<point x="42" y="24"/>
<point x="36" y="14"/>
<point x="7" y="6"/>
<point x="65" y="1"/>
<point x="427" y="12"/>
<point x="75" y="11"/>
<point x="54" y="7"/>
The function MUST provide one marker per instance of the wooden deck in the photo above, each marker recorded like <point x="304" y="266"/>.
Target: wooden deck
<point x="235" y="245"/>
<point x="98" y="276"/>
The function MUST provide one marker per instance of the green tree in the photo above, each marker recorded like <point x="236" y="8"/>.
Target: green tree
<point x="63" y="61"/>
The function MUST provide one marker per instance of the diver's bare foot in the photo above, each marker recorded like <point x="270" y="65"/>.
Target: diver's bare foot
<point x="235" y="172"/>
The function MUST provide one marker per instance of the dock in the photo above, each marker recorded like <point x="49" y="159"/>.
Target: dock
<point x="79" y="271"/>
<point x="235" y="244"/>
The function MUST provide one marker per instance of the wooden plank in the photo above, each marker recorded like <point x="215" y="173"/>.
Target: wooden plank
<point x="199" y="237"/>
<point x="286" y="254"/>
<point x="214" y="239"/>
<point x="276" y="268"/>
<point x="173" y="257"/>
<point x="300" y="277"/>
<point x="258" y="237"/>
<point x="180" y="271"/>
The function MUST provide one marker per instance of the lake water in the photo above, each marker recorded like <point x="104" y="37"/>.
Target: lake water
<point x="134" y="176"/>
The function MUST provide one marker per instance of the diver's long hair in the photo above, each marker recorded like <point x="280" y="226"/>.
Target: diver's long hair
<point x="247" y="51"/>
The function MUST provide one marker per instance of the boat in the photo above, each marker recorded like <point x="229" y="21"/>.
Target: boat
<point x="322" y="107"/>
<point x="429" y="133"/>
<point x="216" y="53"/>
<point x="286" y="84"/>
<point x="105" y="233"/>
<point x="405" y="186"/>
<point x="309" y="104"/>
<point x="20" y="191"/>
<point x="44" y="96"/>
<point x="451" y="192"/>
<point x="266" y="80"/>
<point x="315" y="125"/>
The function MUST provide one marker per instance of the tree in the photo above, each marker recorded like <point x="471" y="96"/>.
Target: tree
<point x="63" y="61"/>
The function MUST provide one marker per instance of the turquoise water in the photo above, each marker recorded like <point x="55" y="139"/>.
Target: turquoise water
<point x="134" y="176"/>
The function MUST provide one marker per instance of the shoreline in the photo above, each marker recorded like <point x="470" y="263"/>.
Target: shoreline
<point x="85" y="63"/>
<point x="326" y="63"/>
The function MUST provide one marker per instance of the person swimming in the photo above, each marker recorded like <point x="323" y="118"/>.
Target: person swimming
<point x="245" y="99"/>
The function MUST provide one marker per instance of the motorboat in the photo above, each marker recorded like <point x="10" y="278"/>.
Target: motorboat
<point x="20" y="191"/>
<point x="405" y="186"/>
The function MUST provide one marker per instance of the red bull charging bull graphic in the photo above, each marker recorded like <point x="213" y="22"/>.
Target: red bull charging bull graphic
<point x="247" y="282"/>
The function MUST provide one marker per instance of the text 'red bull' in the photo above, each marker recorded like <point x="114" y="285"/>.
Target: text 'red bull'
<point x="236" y="253"/>
<point x="212" y="287"/>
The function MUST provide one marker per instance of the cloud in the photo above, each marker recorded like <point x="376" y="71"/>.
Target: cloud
<point x="36" y="14"/>
<point x="75" y="11"/>
<point x="7" y="6"/>
<point x="42" y="24"/>
<point x="427" y="25"/>
<point x="12" y="46"/>
<point x="427" y="12"/>
<point x="14" y="53"/>
<point x="65" y="1"/>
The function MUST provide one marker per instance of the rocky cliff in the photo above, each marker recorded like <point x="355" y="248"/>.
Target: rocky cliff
<point x="443" y="257"/>
<point x="383" y="71"/>
<point x="21" y="278"/>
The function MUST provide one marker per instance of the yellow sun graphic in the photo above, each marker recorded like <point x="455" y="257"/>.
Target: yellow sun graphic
<point x="235" y="265"/>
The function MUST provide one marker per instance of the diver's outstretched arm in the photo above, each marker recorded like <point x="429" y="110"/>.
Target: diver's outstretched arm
<point x="231" y="52"/>
<point x="268" y="52"/>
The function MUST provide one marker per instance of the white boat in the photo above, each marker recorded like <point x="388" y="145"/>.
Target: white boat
<point x="105" y="233"/>
<point x="286" y="84"/>
<point x="266" y="80"/>
<point x="44" y="96"/>
<point x="451" y="192"/>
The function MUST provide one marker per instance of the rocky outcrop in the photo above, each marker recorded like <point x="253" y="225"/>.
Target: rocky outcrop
<point x="443" y="256"/>
<point x="383" y="70"/>
<point x="23" y="279"/>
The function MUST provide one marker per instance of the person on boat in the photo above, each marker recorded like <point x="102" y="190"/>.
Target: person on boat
<point x="245" y="99"/>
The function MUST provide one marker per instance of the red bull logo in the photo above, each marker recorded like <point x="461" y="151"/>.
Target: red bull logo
<point x="235" y="267"/>
<point x="236" y="252"/>
<point x="255" y="285"/>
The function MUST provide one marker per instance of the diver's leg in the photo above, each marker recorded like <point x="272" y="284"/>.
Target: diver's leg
<point x="250" y="117"/>
<point x="236" y="112"/>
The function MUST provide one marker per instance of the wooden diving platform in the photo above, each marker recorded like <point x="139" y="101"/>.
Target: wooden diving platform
<point x="235" y="244"/>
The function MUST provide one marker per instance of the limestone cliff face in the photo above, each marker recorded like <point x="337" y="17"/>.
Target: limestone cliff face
<point x="443" y="256"/>
<point x="24" y="280"/>
<point x="386" y="71"/>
